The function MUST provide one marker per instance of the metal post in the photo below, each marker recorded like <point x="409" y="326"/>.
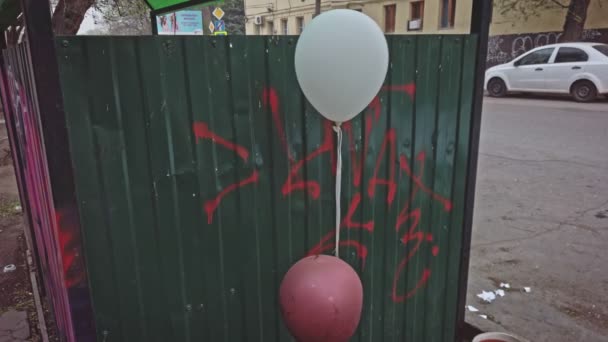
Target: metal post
<point x="153" y="23"/>
<point x="480" y="25"/>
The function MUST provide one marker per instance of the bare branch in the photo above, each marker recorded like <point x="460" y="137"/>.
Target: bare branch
<point x="559" y="4"/>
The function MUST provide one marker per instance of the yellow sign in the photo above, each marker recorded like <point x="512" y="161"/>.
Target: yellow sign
<point x="218" y="13"/>
<point x="211" y="27"/>
<point x="220" y="33"/>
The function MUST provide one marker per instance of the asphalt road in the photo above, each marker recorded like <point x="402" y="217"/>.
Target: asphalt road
<point x="541" y="220"/>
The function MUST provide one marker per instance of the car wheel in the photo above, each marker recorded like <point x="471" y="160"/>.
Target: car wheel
<point x="497" y="87"/>
<point x="584" y="91"/>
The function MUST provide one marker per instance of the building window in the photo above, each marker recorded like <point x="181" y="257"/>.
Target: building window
<point x="417" y="10"/>
<point x="300" y="24"/>
<point x="448" y="10"/>
<point x="389" y="18"/>
<point x="284" y="26"/>
<point x="416" y="16"/>
<point x="270" y="27"/>
<point x="258" y="29"/>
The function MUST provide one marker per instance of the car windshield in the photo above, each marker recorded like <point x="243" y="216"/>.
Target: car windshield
<point x="603" y="48"/>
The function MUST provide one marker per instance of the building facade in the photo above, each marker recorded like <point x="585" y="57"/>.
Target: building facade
<point x="513" y="32"/>
<point x="287" y="17"/>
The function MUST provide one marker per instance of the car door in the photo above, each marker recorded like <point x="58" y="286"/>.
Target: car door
<point x="528" y="72"/>
<point x="562" y="71"/>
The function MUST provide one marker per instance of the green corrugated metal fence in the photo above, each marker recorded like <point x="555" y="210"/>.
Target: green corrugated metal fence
<point x="202" y="174"/>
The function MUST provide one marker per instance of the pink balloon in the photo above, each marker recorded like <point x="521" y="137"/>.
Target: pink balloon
<point x="321" y="299"/>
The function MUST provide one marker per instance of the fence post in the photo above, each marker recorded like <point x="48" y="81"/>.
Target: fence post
<point x="481" y="17"/>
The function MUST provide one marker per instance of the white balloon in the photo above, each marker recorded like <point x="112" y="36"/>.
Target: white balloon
<point x="341" y="61"/>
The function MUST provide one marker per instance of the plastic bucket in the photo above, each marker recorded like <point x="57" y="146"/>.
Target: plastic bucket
<point x="497" y="337"/>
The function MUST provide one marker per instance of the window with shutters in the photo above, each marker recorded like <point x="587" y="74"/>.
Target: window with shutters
<point x="417" y="10"/>
<point x="390" y="12"/>
<point x="448" y="11"/>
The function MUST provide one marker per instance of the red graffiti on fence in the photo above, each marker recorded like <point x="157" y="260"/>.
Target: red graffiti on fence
<point x="211" y="205"/>
<point x="352" y="209"/>
<point x="389" y="138"/>
<point x="398" y="166"/>
<point x="202" y="131"/>
<point x="295" y="181"/>
<point x="271" y="99"/>
<point x="327" y="244"/>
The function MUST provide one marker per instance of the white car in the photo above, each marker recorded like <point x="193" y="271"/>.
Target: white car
<point x="578" y="69"/>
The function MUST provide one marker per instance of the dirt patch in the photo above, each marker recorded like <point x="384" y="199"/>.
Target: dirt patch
<point x="511" y="262"/>
<point x="5" y="157"/>
<point x="587" y="315"/>
<point x="14" y="286"/>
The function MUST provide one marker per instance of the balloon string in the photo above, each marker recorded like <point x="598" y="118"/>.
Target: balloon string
<point x="338" y="131"/>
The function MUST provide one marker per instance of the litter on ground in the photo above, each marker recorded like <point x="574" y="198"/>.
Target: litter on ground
<point x="9" y="268"/>
<point x="487" y="296"/>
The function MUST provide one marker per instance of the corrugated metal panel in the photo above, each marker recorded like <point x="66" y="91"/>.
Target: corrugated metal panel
<point x="202" y="174"/>
<point x="48" y="234"/>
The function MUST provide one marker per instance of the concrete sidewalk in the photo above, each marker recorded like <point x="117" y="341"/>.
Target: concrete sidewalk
<point x="14" y="326"/>
<point x="541" y="220"/>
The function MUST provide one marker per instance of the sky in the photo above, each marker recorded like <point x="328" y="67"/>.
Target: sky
<point x="88" y="23"/>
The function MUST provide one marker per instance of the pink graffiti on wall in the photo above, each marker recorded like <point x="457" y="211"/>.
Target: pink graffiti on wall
<point x="408" y="218"/>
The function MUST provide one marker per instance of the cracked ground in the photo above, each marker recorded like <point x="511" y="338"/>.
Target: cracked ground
<point x="541" y="220"/>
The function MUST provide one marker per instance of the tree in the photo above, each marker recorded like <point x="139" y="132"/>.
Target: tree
<point x="575" y="20"/>
<point x="119" y="16"/>
<point x="235" y="16"/>
<point x="576" y="13"/>
<point x="124" y="17"/>
<point x="68" y="15"/>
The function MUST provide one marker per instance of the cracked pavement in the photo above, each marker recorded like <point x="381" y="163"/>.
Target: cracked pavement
<point x="14" y="326"/>
<point x="541" y="219"/>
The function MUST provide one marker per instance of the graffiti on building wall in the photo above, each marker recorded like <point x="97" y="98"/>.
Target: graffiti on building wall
<point x="401" y="168"/>
<point x="495" y="54"/>
<point x="504" y="48"/>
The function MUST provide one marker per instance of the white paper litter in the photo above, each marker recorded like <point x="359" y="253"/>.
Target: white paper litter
<point x="18" y="208"/>
<point x="9" y="268"/>
<point x="487" y="296"/>
<point x="527" y="289"/>
<point x="505" y="285"/>
<point x="483" y="316"/>
<point x="500" y="292"/>
<point x="472" y="308"/>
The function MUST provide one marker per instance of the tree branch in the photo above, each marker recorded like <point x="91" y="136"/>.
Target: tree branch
<point x="559" y="4"/>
